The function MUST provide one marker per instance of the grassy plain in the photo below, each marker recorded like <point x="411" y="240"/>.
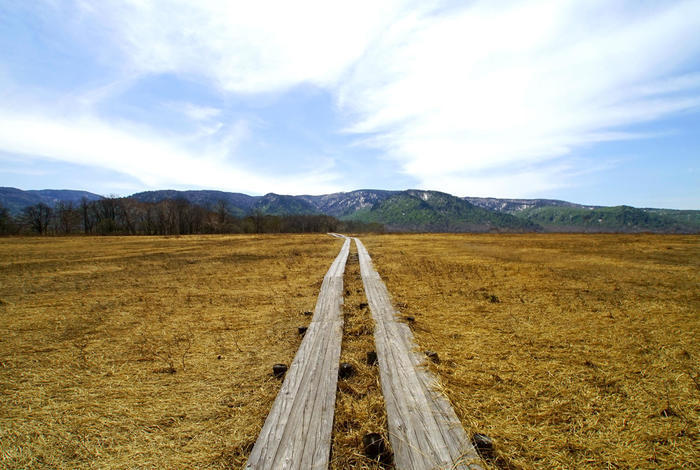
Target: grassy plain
<point x="139" y="352"/>
<point x="570" y="351"/>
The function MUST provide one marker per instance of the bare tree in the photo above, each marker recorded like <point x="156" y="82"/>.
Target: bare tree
<point x="68" y="218"/>
<point x="258" y="221"/>
<point x="86" y="213"/>
<point x="38" y="217"/>
<point x="5" y="221"/>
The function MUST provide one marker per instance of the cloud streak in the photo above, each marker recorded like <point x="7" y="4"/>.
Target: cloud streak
<point x="249" y="47"/>
<point x="485" y="88"/>
<point x="472" y="99"/>
<point x="157" y="161"/>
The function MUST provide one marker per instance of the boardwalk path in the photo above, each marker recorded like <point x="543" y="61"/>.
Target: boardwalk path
<point x="424" y="431"/>
<point x="297" y="432"/>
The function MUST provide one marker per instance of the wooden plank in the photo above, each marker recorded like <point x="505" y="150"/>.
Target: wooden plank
<point x="297" y="432"/>
<point x="424" y="430"/>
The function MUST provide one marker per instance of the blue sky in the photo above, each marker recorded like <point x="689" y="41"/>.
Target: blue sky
<point x="592" y="101"/>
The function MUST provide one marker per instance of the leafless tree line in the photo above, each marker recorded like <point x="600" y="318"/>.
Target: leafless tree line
<point x="127" y="216"/>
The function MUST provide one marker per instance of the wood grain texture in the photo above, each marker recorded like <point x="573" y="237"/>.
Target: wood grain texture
<point x="424" y="430"/>
<point x="297" y="432"/>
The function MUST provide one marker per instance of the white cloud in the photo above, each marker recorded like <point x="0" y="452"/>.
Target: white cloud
<point x="516" y="180"/>
<point x="490" y="184"/>
<point x="195" y="112"/>
<point x="495" y="86"/>
<point x="155" y="160"/>
<point x="208" y="122"/>
<point x="256" y="46"/>
<point x="482" y="98"/>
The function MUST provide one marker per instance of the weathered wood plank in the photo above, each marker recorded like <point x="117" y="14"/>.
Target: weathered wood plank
<point x="297" y="432"/>
<point x="424" y="430"/>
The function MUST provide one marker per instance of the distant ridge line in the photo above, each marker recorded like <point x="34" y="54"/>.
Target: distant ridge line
<point x="408" y="210"/>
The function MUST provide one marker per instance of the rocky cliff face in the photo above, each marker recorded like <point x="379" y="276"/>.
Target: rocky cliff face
<point x="512" y="206"/>
<point x="344" y="204"/>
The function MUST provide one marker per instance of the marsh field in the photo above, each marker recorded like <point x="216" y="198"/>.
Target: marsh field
<point x="569" y="351"/>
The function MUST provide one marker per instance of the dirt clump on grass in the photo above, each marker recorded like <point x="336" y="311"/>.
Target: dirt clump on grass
<point x="568" y="351"/>
<point x="148" y="352"/>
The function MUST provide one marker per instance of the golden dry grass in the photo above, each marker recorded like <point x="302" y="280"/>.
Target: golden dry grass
<point x="91" y="328"/>
<point x="359" y="406"/>
<point x="570" y="351"/>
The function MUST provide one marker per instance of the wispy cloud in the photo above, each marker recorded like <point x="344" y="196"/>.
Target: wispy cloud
<point x="246" y="47"/>
<point x="491" y="86"/>
<point x="155" y="160"/>
<point x="195" y="112"/>
<point x="482" y="98"/>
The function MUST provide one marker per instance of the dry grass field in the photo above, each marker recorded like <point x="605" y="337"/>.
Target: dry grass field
<point x="570" y="351"/>
<point x="143" y="352"/>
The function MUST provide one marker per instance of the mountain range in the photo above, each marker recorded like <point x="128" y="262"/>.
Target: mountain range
<point x="15" y="200"/>
<point x="409" y="210"/>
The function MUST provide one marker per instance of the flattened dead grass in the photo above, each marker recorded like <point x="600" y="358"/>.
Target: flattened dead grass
<point x="570" y="351"/>
<point x="138" y="352"/>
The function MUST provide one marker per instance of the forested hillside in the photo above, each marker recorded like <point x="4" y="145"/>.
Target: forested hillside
<point x="402" y="211"/>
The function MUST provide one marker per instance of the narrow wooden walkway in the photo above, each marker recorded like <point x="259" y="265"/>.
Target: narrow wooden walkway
<point x="424" y="430"/>
<point x="297" y="432"/>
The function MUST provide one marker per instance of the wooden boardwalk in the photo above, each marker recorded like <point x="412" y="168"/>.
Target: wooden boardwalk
<point x="424" y="430"/>
<point x="297" y="432"/>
